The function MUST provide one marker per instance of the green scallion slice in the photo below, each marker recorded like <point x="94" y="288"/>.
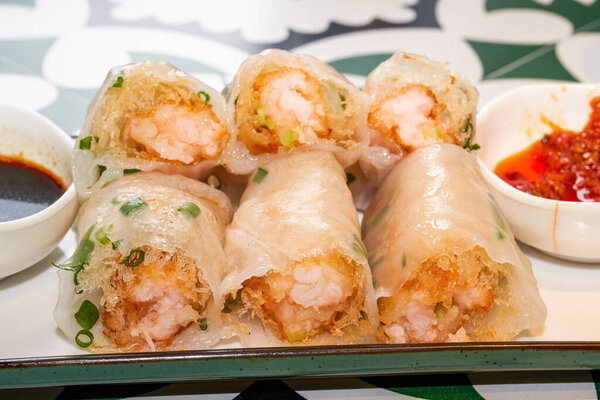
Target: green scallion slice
<point x="115" y="200"/>
<point x="343" y="100"/>
<point x="135" y="258"/>
<point x="87" y="315"/>
<point x="82" y="253"/>
<point x="203" y="324"/>
<point x="205" y="97"/>
<point x="261" y="117"/>
<point x="101" y="169"/>
<point x="132" y="205"/>
<point x="118" y="82"/>
<point x="260" y="175"/>
<point x="189" y="208"/>
<point x="84" y="343"/>
<point x="289" y="136"/>
<point x="85" y="143"/>
<point x="226" y="91"/>
<point x="116" y="244"/>
<point x="128" y="171"/>
<point x="296" y="336"/>
<point x="380" y="215"/>
<point x="102" y="236"/>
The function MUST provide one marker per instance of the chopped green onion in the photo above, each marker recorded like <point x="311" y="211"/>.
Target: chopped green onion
<point x="87" y="334"/>
<point x="101" y="169"/>
<point x="289" y="136"/>
<point x="132" y="205"/>
<point x="115" y="201"/>
<point x="135" y="258"/>
<point x="85" y="143"/>
<point x="343" y="100"/>
<point x="214" y="181"/>
<point x="469" y="127"/>
<point x="203" y="324"/>
<point x="296" y="336"/>
<point x="358" y="246"/>
<point x="87" y="315"/>
<point x="97" y="139"/>
<point x="118" y="82"/>
<point x="235" y="101"/>
<point x="205" y="97"/>
<point x="433" y="132"/>
<point x="440" y="310"/>
<point x="190" y="208"/>
<point x="350" y="178"/>
<point x="82" y="253"/>
<point x="374" y="264"/>
<point x="262" y="118"/>
<point x="260" y="175"/>
<point x="101" y="236"/>
<point x="75" y="279"/>
<point x="380" y="215"/>
<point x="403" y="259"/>
<point x="501" y="235"/>
<point x="116" y="244"/>
<point x="226" y="91"/>
<point x="128" y="171"/>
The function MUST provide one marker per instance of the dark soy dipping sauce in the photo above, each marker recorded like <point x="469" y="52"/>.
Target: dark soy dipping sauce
<point x="26" y="188"/>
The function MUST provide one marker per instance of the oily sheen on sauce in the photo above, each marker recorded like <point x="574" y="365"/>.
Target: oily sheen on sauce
<point x="563" y="165"/>
<point x="26" y="188"/>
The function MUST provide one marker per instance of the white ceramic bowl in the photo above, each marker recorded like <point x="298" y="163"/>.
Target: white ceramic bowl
<point x="509" y="124"/>
<point x="25" y="241"/>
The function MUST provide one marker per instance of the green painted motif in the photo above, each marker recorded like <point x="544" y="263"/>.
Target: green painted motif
<point x="494" y="56"/>
<point x="440" y="387"/>
<point x="359" y="65"/>
<point x="543" y="66"/>
<point x="575" y="11"/>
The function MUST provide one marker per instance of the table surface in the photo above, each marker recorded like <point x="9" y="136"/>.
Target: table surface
<point x="54" y="55"/>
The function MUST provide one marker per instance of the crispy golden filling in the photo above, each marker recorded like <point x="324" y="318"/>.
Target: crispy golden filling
<point x="284" y="107"/>
<point x="445" y="299"/>
<point x="409" y="116"/>
<point x="156" y="300"/>
<point x="315" y="296"/>
<point x="159" y="120"/>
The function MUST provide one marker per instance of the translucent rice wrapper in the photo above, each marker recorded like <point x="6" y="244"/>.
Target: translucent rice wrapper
<point x="164" y="231"/>
<point x="300" y="210"/>
<point x="138" y="89"/>
<point x="344" y="107"/>
<point x="435" y="202"/>
<point x="454" y="110"/>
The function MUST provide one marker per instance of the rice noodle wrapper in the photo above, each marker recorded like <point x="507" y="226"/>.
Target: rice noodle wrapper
<point x="141" y="119"/>
<point x="435" y="205"/>
<point x="181" y="229"/>
<point x="341" y="106"/>
<point x="451" y="118"/>
<point x="297" y="209"/>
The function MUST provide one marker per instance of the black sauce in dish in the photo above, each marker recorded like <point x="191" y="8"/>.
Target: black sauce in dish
<point x="26" y="188"/>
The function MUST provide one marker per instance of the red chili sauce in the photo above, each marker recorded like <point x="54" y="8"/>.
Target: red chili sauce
<point x="563" y="165"/>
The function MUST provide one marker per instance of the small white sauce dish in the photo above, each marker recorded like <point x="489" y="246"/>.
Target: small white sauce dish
<point x="508" y="125"/>
<point x="30" y="136"/>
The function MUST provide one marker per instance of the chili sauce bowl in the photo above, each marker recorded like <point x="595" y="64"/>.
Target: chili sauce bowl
<point x="27" y="135"/>
<point x="511" y="123"/>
